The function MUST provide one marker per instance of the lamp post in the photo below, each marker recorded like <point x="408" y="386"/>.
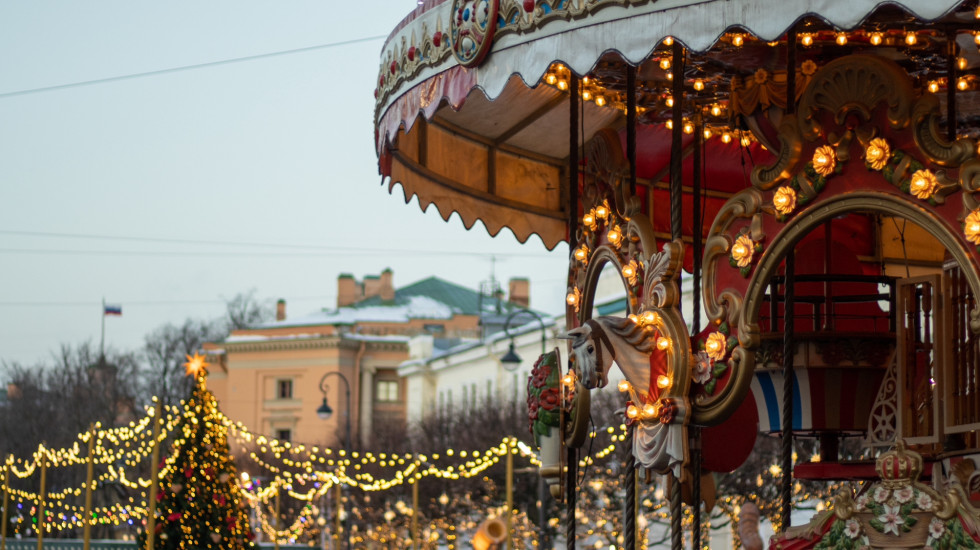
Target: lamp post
<point x="324" y="411"/>
<point x="511" y="361"/>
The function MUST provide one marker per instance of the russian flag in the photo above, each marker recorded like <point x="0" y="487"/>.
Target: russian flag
<point x="112" y="309"/>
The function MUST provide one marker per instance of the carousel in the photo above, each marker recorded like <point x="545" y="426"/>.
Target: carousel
<point x="811" y="167"/>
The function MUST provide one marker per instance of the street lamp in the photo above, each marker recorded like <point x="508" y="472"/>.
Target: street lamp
<point x="510" y="360"/>
<point x="324" y="411"/>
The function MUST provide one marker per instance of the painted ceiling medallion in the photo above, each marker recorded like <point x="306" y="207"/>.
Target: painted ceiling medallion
<point x="471" y="29"/>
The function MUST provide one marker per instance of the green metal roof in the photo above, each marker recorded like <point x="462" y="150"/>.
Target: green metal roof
<point x="461" y="299"/>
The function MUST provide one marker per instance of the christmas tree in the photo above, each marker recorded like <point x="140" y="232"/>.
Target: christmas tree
<point x="199" y="502"/>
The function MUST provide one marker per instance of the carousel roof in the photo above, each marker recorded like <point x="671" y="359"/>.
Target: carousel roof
<point x="488" y="81"/>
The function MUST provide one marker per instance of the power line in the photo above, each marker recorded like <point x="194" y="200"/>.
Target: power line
<point x="309" y="255"/>
<point x="309" y="248"/>
<point x="188" y="67"/>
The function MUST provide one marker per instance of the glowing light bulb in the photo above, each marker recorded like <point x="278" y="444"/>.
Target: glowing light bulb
<point x="688" y="127"/>
<point x="962" y="84"/>
<point x="739" y="249"/>
<point x="632" y="411"/>
<point x="670" y="75"/>
<point x="623" y="386"/>
<point x="669" y="124"/>
<point x="699" y="85"/>
<point x="841" y="39"/>
<point x="550" y="78"/>
<point x="669" y="101"/>
<point x="663" y="381"/>
<point x="571" y="299"/>
<point x="712" y="346"/>
<point x="568" y="379"/>
<point x="665" y="63"/>
<point x="601" y="211"/>
<point x="628" y="271"/>
<point x="806" y="40"/>
<point x="600" y="100"/>
<point x="707" y="133"/>
<point x="976" y="39"/>
<point x="738" y="40"/>
<point x="651" y="317"/>
<point x="726" y="138"/>
<point x="876" y="39"/>
<point x="933" y="86"/>
<point x="911" y="39"/>
<point x="586" y="95"/>
<point x="563" y="84"/>
<point x="581" y="253"/>
<point x="588" y="219"/>
<point x="649" y="410"/>
<point x="961" y="63"/>
<point x="614" y="235"/>
<point x="745" y="141"/>
<point x="669" y="41"/>
<point x="663" y="343"/>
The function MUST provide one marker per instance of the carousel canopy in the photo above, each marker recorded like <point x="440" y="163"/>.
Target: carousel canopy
<point x="473" y="104"/>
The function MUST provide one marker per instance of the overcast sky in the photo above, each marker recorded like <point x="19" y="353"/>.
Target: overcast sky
<point x="133" y="189"/>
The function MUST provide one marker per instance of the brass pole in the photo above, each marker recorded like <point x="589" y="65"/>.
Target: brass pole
<point x="636" y="507"/>
<point x="6" y="500"/>
<point x="41" y="496"/>
<point x="510" y="495"/>
<point x="339" y="506"/>
<point x="275" y="524"/>
<point x="151" y="514"/>
<point x="415" y="515"/>
<point x="87" y="517"/>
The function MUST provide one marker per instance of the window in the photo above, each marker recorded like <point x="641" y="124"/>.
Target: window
<point x="386" y="390"/>
<point x="283" y="435"/>
<point x="284" y="388"/>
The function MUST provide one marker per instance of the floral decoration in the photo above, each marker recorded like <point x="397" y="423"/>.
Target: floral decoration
<point x="971" y="227"/>
<point x="544" y="396"/>
<point x="923" y="184"/>
<point x="742" y="253"/>
<point x="824" y="160"/>
<point x="710" y="361"/>
<point x="784" y="200"/>
<point x="877" y="153"/>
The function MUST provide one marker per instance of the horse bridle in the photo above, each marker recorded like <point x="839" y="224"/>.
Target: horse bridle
<point x="600" y="333"/>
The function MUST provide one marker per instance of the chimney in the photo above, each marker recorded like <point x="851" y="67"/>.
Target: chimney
<point x="372" y="286"/>
<point x="387" y="285"/>
<point x="520" y="291"/>
<point x="281" y="310"/>
<point x="347" y="290"/>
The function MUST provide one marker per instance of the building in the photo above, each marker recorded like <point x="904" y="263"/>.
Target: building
<point x="269" y="377"/>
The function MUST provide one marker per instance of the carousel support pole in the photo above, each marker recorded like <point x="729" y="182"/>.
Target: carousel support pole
<point x="629" y="522"/>
<point x="573" y="137"/>
<point x="415" y="515"/>
<point x="6" y="500"/>
<point x="676" y="233"/>
<point x="151" y="514"/>
<point x="571" y="459"/>
<point x="631" y="125"/>
<point x="510" y="497"/>
<point x="636" y="506"/>
<point x="951" y="85"/>
<point x="89" y="473"/>
<point x="787" y="419"/>
<point x="41" y="496"/>
<point x="696" y="325"/>
<point x="791" y="71"/>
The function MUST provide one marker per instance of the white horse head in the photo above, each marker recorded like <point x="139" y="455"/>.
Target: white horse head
<point x="601" y="341"/>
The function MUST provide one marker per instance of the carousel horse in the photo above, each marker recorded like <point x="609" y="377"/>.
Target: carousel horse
<point x="658" y="444"/>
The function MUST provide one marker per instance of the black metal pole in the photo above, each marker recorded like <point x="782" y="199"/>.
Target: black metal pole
<point x="629" y="523"/>
<point x="676" y="233"/>
<point x="787" y="420"/>
<point x="571" y="460"/>
<point x="631" y="125"/>
<point x="573" y="137"/>
<point x="696" y="322"/>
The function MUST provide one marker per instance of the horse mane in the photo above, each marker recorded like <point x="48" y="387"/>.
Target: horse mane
<point x="631" y="333"/>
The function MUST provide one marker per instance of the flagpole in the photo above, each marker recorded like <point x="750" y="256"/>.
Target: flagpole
<point x="102" y="342"/>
